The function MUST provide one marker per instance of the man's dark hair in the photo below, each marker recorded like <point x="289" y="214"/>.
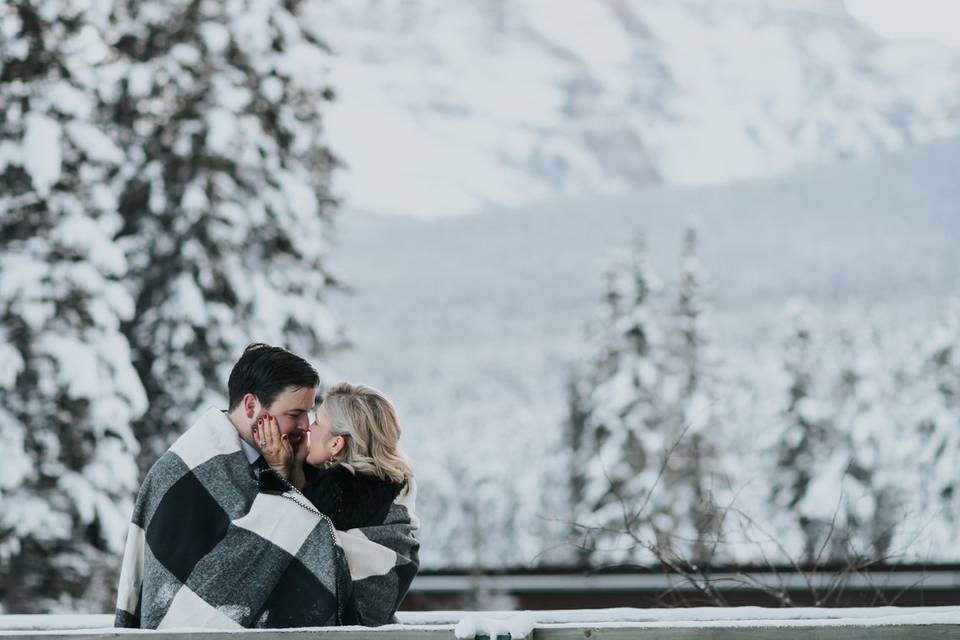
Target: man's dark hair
<point x="265" y="371"/>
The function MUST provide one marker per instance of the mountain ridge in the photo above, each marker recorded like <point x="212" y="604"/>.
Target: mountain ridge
<point x="450" y="108"/>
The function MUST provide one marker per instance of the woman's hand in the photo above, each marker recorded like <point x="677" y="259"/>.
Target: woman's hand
<point x="275" y="447"/>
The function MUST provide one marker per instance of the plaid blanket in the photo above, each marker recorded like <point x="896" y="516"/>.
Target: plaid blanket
<point x="209" y="547"/>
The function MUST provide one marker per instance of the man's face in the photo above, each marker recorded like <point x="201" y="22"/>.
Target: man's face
<point x="290" y="408"/>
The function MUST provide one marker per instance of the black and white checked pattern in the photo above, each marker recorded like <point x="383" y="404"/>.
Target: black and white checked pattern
<point x="207" y="548"/>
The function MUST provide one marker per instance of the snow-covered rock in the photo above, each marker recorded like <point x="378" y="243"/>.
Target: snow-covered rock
<point x="514" y="626"/>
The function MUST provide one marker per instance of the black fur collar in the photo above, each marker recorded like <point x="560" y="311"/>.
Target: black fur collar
<point x="350" y="500"/>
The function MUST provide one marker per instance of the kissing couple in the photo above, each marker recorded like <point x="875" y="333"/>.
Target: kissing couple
<point x="261" y="517"/>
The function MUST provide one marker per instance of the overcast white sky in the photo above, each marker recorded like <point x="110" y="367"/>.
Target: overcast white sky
<point x="908" y="19"/>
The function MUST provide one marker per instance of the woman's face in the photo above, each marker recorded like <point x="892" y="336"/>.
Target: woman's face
<point x="322" y="445"/>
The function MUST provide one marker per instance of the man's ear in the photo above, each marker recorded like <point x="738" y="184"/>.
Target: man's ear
<point x="250" y="404"/>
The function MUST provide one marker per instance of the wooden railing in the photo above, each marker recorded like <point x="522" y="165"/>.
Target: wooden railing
<point x="746" y="623"/>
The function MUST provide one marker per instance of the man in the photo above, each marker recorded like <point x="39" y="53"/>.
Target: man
<point x="270" y="380"/>
<point x="217" y="540"/>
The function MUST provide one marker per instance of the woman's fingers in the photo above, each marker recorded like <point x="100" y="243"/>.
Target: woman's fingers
<point x="273" y="432"/>
<point x="260" y="434"/>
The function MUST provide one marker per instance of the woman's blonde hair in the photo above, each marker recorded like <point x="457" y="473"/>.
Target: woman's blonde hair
<point x="368" y="422"/>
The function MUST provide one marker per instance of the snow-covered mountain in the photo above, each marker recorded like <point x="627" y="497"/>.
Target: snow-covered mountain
<point x="448" y="107"/>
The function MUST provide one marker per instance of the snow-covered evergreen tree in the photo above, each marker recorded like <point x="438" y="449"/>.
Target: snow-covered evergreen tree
<point x="934" y="401"/>
<point x="840" y="478"/>
<point x="614" y="428"/>
<point x="574" y="431"/>
<point x="645" y="421"/>
<point x="69" y="392"/>
<point x="226" y="202"/>
<point x="841" y="488"/>
<point x="876" y="481"/>
<point x="810" y="458"/>
<point x="694" y="478"/>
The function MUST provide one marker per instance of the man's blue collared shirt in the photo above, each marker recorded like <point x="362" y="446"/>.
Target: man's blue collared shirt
<point x="253" y="456"/>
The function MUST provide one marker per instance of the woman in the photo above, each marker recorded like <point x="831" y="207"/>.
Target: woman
<point x="349" y="466"/>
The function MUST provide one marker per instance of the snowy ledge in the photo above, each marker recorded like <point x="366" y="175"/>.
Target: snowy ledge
<point x="754" y="623"/>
